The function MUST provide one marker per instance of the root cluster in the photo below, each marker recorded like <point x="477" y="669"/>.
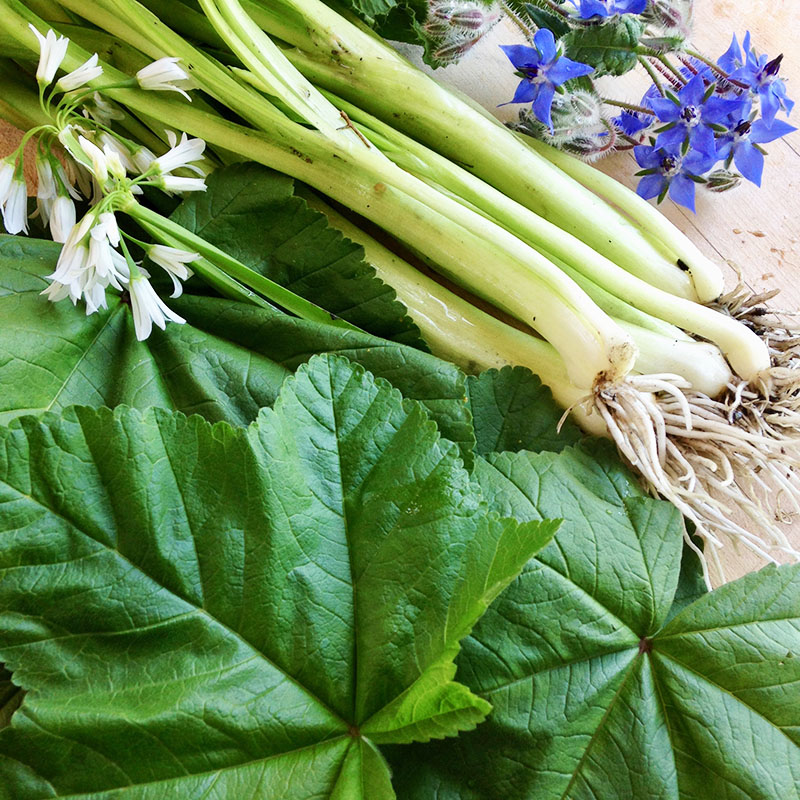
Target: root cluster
<point x="729" y="464"/>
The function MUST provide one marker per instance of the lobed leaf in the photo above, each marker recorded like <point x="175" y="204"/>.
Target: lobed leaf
<point x="234" y="608"/>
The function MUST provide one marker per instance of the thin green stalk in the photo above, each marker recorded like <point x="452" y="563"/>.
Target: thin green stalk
<point x="628" y="106"/>
<point x="705" y="274"/>
<point x="617" y="292"/>
<point x="393" y="90"/>
<point x="299" y="306"/>
<point x="456" y="330"/>
<point x="648" y="68"/>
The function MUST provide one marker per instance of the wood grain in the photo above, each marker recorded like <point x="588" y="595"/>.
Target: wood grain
<point x="756" y="230"/>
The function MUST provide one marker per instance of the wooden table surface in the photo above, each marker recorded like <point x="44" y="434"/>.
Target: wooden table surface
<point x="758" y="230"/>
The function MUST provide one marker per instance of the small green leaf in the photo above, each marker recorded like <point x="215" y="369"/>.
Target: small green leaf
<point x="609" y="48"/>
<point x="203" y="610"/>
<point x="513" y="410"/>
<point x="542" y="18"/>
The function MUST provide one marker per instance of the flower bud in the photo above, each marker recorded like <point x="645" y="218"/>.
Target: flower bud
<point x="722" y="180"/>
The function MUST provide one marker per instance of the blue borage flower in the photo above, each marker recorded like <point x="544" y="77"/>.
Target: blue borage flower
<point x="632" y="123"/>
<point x="740" y="145"/>
<point x="760" y="74"/>
<point x="542" y="69"/>
<point x="690" y="113"/>
<point x="671" y="172"/>
<point x="587" y="9"/>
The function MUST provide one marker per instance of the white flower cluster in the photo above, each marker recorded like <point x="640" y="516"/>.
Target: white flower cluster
<point x="110" y="170"/>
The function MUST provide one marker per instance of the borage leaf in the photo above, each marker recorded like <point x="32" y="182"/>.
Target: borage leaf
<point x="226" y="363"/>
<point x="200" y="608"/>
<point x="593" y="694"/>
<point x="612" y="48"/>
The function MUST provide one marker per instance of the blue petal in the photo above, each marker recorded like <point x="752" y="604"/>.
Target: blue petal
<point x="565" y="69"/>
<point x="672" y="139"/>
<point x="545" y="43"/>
<point x="770" y="104"/>
<point x="749" y="162"/>
<point x="724" y="145"/>
<point x="520" y="55"/>
<point x="681" y="191"/>
<point x="647" y="157"/>
<point x="702" y="140"/>
<point x="631" y="6"/>
<point x="651" y="186"/>
<point x="732" y="57"/>
<point x="542" y="104"/>
<point x="692" y="93"/>
<point x="717" y="110"/>
<point x="526" y="92"/>
<point x="761" y="133"/>
<point x="665" y="109"/>
<point x="593" y="8"/>
<point x="698" y="162"/>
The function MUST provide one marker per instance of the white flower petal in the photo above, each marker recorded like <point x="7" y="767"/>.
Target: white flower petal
<point x="148" y="308"/>
<point x="62" y="218"/>
<point x="86" y="72"/>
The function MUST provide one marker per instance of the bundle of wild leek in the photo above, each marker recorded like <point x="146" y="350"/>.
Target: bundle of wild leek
<point x="634" y="333"/>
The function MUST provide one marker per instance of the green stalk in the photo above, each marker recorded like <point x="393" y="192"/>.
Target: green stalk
<point x="489" y="344"/>
<point x="457" y="331"/>
<point x="705" y="274"/>
<point x="347" y="61"/>
<point x="164" y="228"/>
<point x="608" y="285"/>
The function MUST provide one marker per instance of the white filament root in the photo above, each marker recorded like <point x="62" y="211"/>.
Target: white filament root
<point x="715" y="460"/>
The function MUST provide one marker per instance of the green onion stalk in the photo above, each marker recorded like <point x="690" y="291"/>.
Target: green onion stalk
<point x="613" y="335"/>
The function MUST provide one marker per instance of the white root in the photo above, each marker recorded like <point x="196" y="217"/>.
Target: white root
<point x="714" y="458"/>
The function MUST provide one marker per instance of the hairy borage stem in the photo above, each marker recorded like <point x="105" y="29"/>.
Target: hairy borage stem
<point x="714" y="459"/>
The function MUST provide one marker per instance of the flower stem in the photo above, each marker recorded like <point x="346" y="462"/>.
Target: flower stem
<point x="681" y="78"/>
<point x="628" y="106"/>
<point x="517" y="20"/>
<point x="653" y="75"/>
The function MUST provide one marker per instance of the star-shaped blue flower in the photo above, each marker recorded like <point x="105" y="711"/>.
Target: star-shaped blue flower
<point x="760" y="74"/>
<point x="632" y="123"/>
<point x="670" y="172"/>
<point x="691" y="113"/>
<point x="740" y="145"/>
<point x="586" y="9"/>
<point x="542" y="70"/>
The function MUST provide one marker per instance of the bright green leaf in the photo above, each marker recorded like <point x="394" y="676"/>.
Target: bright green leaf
<point x="609" y="48"/>
<point x="226" y="363"/>
<point x="203" y="610"/>
<point x="513" y="410"/>
<point x="253" y="214"/>
<point x="593" y="695"/>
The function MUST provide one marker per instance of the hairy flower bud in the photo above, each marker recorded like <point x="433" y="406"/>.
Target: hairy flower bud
<point x="671" y="16"/>
<point x="454" y="26"/>
<point x="722" y="180"/>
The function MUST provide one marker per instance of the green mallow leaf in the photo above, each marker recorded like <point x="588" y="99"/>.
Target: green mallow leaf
<point x="226" y="363"/>
<point x="201" y="610"/>
<point x="609" y="48"/>
<point x="594" y="694"/>
<point x="10" y="697"/>
<point x="513" y="410"/>
<point x="253" y="214"/>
